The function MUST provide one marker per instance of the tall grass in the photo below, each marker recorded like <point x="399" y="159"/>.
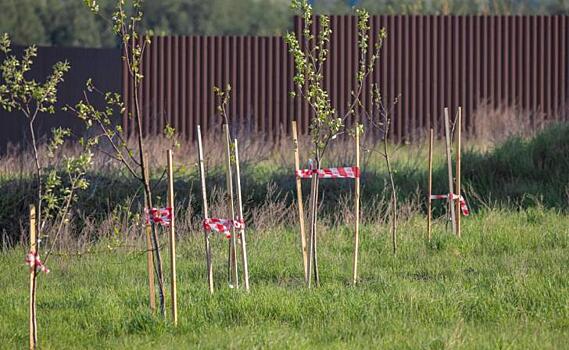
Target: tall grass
<point x="520" y="172"/>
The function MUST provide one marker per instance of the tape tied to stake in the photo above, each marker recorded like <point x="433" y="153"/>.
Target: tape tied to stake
<point x="351" y="172"/>
<point x="34" y="262"/>
<point x="451" y="196"/>
<point x="223" y="225"/>
<point x="160" y="216"/>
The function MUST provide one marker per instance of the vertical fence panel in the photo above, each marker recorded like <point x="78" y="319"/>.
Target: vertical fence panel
<point x="562" y="51"/>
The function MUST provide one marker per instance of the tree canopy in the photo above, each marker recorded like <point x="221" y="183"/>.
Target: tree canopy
<point x="68" y="22"/>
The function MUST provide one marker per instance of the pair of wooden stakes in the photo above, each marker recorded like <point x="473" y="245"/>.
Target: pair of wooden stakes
<point x="150" y="249"/>
<point x="233" y="242"/>
<point x="234" y="281"/>
<point x="309" y="253"/>
<point x="453" y="197"/>
<point x="234" y="226"/>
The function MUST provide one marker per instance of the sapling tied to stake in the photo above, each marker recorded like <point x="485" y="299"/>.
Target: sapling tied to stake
<point x="56" y="184"/>
<point x="310" y="53"/>
<point x="125" y="25"/>
<point x="224" y="97"/>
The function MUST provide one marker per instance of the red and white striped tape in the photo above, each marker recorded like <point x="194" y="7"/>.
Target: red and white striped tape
<point x="223" y="225"/>
<point x="452" y="196"/>
<point x="330" y="173"/>
<point x="34" y="262"/>
<point x="161" y="216"/>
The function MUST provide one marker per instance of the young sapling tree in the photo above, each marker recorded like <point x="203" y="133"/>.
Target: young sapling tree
<point x="125" y="21"/>
<point x="310" y="53"/>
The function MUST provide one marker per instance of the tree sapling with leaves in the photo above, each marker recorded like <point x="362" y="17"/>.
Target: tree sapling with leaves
<point x="310" y="52"/>
<point x="126" y="21"/>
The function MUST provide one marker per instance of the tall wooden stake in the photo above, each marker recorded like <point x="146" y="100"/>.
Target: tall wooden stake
<point x="430" y="201"/>
<point x="314" y="233"/>
<point x="449" y="166"/>
<point x="457" y="181"/>
<point x="311" y="242"/>
<point x="240" y="209"/>
<point x="173" y="290"/>
<point x="357" y="211"/>
<point x="205" y="213"/>
<point x="150" y="259"/>
<point x="33" y="250"/>
<point x="233" y="243"/>
<point x="150" y="267"/>
<point x="299" y="200"/>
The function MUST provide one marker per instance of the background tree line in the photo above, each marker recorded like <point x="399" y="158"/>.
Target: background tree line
<point x="68" y="23"/>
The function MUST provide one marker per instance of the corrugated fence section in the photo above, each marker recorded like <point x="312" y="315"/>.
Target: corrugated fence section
<point x="181" y="72"/>
<point x="101" y="65"/>
<point x="427" y="63"/>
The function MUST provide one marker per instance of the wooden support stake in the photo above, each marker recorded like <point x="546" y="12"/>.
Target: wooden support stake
<point x="299" y="200"/>
<point x="150" y="256"/>
<point x="173" y="290"/>
<point x="315" y="233"/>
<point x="357" y="211"/>
<point x="33" y="250"/>
<point x="313" y="249"/>
<point x="209" y="268"/>
<point x="150" y="267"/>
<point x="449" y="166"/>
<point x="430" y="201"/>
<point x="233" y="243"/>
<point x="458" y="189"/>
<point x="240" y="209"/>
<point x="312" y="225"/>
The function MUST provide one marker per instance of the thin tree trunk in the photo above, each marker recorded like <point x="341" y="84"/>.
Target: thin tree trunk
<point x="39" y="199"/>
<point x="311" y="233"/>
<point x="450" y="202"/>
<point x="393" y="198"/>
<point x="233" y="273"/>
<point x="314" y="230"/>
<point x="148" y="195"/>
<point x="157" y="255"/>
<point x="33" y="281"/>
<point x="313" y="249"/>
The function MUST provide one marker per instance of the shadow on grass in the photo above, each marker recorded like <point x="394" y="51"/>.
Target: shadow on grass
<point x="517" y="174"/>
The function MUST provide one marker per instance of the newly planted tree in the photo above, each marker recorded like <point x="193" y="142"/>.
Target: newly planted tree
<point x="125" y="21"/>
<point x="310" y="52"/>
<point x="56" y="184"/>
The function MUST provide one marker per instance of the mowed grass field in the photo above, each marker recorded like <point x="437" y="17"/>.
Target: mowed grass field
<point x="504" y="285"/>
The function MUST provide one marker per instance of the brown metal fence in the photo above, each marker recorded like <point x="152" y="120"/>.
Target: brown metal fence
<point x="101" y="65"/>
<point x="427" y="63"/>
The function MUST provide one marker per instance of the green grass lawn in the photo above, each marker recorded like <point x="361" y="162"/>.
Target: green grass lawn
<point x="505" y="284"/>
